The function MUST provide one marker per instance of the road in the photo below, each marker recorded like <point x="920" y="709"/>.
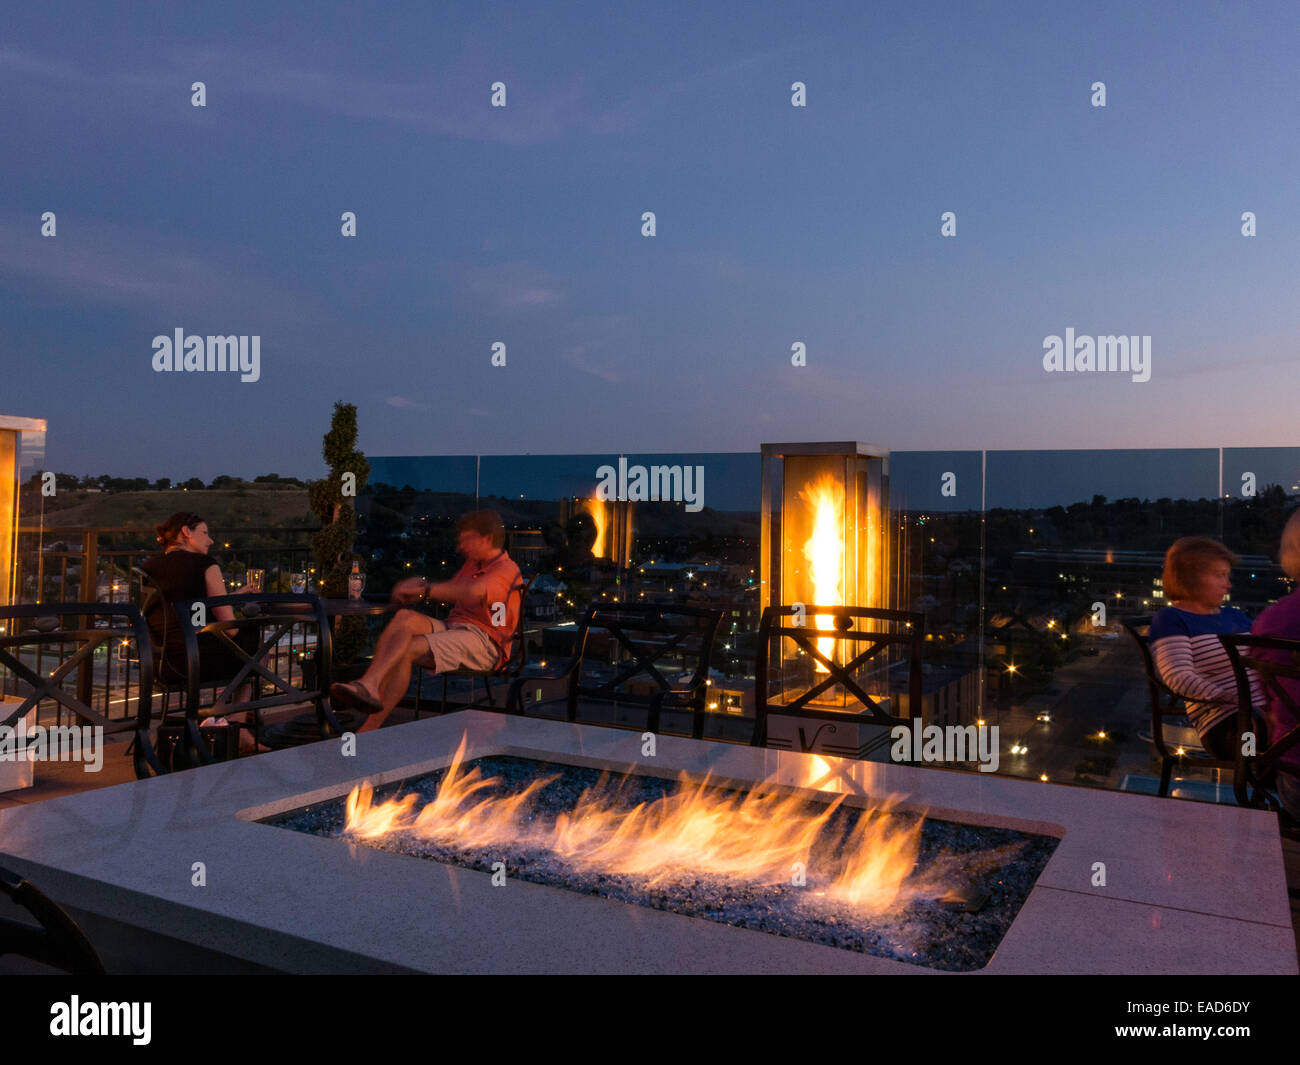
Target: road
<point x="1106" y="692"/>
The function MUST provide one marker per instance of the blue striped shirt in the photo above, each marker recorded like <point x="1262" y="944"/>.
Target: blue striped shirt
<point x="1193" y="663"/>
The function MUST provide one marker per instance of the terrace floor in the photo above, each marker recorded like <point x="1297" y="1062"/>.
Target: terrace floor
<point x="55" y="779"/>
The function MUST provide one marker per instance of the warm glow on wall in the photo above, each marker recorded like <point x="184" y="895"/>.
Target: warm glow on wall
<point x="22" y="453"/>
<point x="8" y="511"/>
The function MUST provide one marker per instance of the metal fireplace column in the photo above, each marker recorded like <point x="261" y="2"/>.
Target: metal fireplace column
<point x="829" y="661"/>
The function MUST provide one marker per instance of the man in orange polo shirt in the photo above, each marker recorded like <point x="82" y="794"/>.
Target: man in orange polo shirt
<point x="476" y="634"/>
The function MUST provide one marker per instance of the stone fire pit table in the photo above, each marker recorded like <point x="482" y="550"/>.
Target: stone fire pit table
<point x="1190" y="887"/>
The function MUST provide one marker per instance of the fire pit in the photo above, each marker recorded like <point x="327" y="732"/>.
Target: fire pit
<point x="868" y="878"/>
<point x="180" y="874"/>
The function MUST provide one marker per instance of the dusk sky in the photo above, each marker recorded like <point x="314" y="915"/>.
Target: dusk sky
<point x="775" y="225"/>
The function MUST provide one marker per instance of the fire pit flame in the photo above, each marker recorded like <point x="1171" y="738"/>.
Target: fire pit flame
<point x="824" y="551"/>
<point x="763" y="836"/>
<point x="596" y="508"/>
<point x="447" y="819"/>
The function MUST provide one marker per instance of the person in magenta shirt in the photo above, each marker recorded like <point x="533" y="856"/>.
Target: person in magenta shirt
<point x="1283" y="619"/>
<point x="476" y="634"/>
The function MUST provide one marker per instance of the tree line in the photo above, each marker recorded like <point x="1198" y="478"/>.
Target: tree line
<point x="68" y="482"/>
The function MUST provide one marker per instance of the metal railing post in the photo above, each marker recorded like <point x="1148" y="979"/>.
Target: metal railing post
<point x="89" y="582"/>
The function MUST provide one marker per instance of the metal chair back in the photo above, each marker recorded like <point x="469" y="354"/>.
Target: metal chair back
<point x="1165" y="703"/>
<point x="42" y="626"/>
<point x="638" y="637"/>
<point x="153" y="600"/>
<point x="1274" y="660"/>
<point x="275" y="615"/>
<point x="508" y="666"/>
<point x="58" y="941"/>
<point x="853" y="625"/>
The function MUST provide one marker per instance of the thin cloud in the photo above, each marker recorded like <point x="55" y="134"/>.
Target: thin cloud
<point x="577" y="357"/>
<point x="454" y="103"/>
<point x="511" y="286"/>
<point x="701" y="81"/>
<point x="600" y="336"/>
<point x="127" y="267"/>
<point x="728" y="268"/>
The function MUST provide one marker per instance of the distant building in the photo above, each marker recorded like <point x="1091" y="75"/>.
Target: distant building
<point x="525" y="546"/>
<point x="539" y="606"/>
<point x="1130" y="581"/>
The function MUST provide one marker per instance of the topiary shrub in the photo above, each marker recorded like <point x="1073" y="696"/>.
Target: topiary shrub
<point x="331" y="501"/>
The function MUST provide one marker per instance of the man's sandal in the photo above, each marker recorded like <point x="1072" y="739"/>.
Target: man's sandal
<point x="351" y="695"/>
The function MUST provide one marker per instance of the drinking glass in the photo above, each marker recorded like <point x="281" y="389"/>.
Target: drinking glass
<point x="298" y="583"/>
<point x="255" y="579"/>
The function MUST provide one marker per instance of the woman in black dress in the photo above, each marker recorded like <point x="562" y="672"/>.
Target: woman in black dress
<point x="185" y="570"/>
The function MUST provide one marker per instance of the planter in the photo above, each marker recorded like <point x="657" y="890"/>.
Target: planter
<point x="16" y="774"/>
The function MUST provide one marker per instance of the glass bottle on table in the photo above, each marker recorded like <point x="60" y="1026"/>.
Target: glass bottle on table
<point x="355" y="581"/>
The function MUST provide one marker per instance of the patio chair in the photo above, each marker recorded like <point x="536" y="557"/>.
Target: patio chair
<point x="1254" y="778"/>
<point x="58" y="942"/>
<point x="774" y="627"/>
<point x="276" y="613"/>
<point x="178" y="741"/>
<point x="639" y="636"/>
<point x="39" y="626"/>
<point x="1171" y="732"/>
<point x="1167" y="708"/>
<point x="509" y="665"/>
<point x="166" y="680"/>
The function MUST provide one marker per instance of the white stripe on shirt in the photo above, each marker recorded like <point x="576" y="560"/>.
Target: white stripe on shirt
<point x="1198" y="669"/>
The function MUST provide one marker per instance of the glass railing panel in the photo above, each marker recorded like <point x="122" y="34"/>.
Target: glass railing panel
<point x="1074" y="543"/>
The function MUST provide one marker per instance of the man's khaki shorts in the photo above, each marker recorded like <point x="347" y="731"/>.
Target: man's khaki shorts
<point x="462" y="646"/>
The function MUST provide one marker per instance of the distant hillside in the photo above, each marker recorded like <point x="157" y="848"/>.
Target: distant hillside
<point x="650" y="518"/>
<point x="223" y="509"/>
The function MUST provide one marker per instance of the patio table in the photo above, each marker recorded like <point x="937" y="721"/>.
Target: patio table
<point x="356" y="607"/>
